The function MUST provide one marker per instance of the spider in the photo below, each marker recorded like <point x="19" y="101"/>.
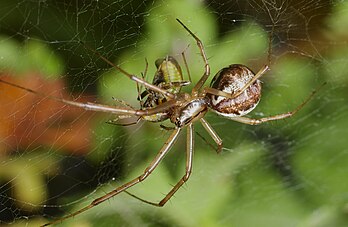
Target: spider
<point x="234" y="92"/>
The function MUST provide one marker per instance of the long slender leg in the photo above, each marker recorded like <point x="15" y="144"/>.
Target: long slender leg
<point x="264" y="69"/>
<point x="122" y="102"/>
<point x="130" y="76"/>
<point x="206" y="74"/>
<point x="205" y="140"/>
<point x="261" y="72"/>
<point x="257" y="76"/>
<point x="186" y="66"/>
<point x="114" y="122"/>
<point x="252" y="121"/>
<point x="164" y="150"/>
<point x="99" y="107"/>
<point x="139" y="88"/>
<point x="189" y="159"/>
<point x="213" y="134"/>
<point x="119" y="117"/>
<point x="168" y="128"/>
<point x="198" y="134"/>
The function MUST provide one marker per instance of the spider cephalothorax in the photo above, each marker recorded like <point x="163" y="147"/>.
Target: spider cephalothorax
<point x="193" y="109"/>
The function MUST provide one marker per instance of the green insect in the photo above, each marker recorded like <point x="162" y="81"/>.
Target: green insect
<point x="168" y="77"/>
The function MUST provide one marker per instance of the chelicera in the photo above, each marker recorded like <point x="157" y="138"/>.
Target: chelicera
<point x="234" y="92"/>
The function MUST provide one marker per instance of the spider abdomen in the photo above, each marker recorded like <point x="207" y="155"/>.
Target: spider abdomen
<point x="231" y="80"/>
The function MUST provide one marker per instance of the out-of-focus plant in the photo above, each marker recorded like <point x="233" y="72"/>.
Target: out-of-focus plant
<point x="33" y="125"/>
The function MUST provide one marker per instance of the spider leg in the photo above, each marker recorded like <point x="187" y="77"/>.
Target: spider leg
<point x="213" y="134"/>
<point x="114" y="122"/>
<point x="198" y="134"/>
<point x="263" y="70"/>
<point x="214" y="91"/>
<point x="260" y="73"/>
<point x="142" y="200"/>
<point x="124" y="103"/>
<point x="164" y="150"/>
<point x="167" y="128"/>
<point x="252" y="121"/>
<point x="186" y="66"/>
<point x="100" y="107"/>
<point x="139" y="88"/>
<point x="131" y="76"/>
<point x="206" y="74"/>
<point x="189" y="158"/>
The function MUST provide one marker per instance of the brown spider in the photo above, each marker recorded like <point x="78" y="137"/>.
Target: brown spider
<point x="233" y="93"/>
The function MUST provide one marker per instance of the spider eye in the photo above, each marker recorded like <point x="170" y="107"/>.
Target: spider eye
<point x="178" y="123"/>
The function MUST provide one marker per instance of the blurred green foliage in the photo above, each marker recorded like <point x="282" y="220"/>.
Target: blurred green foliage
<point x="288" y="173"/>
<point x="34" y="56"/>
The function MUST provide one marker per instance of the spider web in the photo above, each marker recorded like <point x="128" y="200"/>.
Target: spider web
<point x="55" y="159"/>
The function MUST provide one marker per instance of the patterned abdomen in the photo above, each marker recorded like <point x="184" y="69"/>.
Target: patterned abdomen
<point x="231" y="80"/>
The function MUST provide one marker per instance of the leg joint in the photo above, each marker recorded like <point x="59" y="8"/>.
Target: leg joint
<point x="186" y="176"/>
<point x="144" y="175"/>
